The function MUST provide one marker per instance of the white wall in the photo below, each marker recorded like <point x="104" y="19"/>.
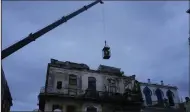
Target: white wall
<point x="61" y="74"/>
<point x="164" y="89"/>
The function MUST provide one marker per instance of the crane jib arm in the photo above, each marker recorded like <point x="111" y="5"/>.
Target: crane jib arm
<point x="32" y="37"/>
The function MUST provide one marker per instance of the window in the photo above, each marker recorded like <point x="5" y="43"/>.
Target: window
<point x="59" y="84"/>
<point x="92" y="83"/>
<point x="72" y="79"/>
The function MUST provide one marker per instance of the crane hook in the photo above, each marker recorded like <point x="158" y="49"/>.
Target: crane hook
<point x="101" y="2"/>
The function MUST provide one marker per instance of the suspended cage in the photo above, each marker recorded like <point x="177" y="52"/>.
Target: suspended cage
<point x="106" y="52"/>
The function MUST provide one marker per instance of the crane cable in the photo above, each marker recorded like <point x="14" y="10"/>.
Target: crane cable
<point x="103" y="22"/>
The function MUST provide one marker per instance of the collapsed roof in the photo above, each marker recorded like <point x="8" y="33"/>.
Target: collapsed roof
<point x="81" y="66"/>
<point x="109" y="69"/>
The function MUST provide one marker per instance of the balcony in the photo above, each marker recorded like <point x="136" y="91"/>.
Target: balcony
<point x="102" y="96"/>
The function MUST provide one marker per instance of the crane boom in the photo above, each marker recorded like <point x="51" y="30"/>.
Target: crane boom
<point x="33" y="36"/>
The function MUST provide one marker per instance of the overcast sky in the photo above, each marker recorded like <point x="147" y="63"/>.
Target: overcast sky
<point x="148" y="39"/>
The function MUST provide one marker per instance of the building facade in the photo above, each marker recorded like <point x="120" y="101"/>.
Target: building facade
<point x="159" y="94"/>
<point x="6" y="98"/>
<point x="73" y="87"/>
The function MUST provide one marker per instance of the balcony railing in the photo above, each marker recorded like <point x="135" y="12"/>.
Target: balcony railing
<point x="64" y="91"/>
<point x="96" y="95"/>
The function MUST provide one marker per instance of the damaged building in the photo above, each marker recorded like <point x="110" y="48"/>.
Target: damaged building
<point x="74" y="87"/>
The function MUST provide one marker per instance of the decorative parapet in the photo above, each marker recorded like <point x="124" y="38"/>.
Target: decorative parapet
<point x="158" y="85"/>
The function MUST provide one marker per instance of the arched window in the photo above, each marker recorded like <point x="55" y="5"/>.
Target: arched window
<point x="170" y="93"/>
<point x="148" y="93"/>
<point x="160" y="95"/>
<point x="170" y="96"/>
<point x="159" y="91"/>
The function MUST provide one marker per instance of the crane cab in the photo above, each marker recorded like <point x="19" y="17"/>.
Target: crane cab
<point x="106" y="52"/>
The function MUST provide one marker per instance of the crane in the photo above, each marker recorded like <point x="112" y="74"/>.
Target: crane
<point x="33" y="36"/>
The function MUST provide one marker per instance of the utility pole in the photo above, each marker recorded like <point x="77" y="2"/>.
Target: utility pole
<point x="189" y="65"/>
<point x="188" y="11"/>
